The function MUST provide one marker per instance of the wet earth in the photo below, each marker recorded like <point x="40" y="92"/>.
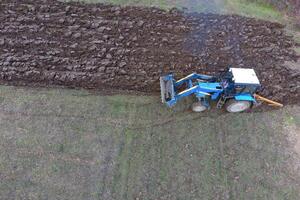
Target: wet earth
<point x="50" y="43"/>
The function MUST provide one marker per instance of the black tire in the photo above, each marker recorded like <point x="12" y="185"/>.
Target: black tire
<point x="234" y="106"/>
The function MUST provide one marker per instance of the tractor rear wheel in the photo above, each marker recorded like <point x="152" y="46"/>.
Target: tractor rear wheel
<point x="198" y="107"/>
<point x="234" y="106"/>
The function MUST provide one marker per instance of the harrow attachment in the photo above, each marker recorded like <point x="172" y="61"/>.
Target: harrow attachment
<point x="167" y="88"/>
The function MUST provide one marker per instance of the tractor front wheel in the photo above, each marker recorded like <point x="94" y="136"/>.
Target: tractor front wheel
<point x="234" y="106"/>
<point x="198" y="107"/>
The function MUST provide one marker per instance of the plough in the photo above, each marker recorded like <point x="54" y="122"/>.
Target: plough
<point x="235" y="89"/>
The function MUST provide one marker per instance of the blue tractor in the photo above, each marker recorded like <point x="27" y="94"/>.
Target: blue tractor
<point x="235" y="89"/>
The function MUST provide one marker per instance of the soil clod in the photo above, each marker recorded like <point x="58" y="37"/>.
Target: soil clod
<point x="102" y="46"/>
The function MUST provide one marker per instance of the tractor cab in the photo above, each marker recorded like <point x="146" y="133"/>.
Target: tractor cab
<point x="237" y="81"/>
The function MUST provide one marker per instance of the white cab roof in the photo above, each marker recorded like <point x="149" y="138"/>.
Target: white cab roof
<point x="244" y="76"/>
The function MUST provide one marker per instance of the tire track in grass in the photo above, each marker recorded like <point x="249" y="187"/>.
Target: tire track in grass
<point x="120" y="180"/>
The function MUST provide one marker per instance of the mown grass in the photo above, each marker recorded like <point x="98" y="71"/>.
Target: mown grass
<point x="70" y="144"/>
<point x="251" y="9"/>
<point x="297" y="50"/>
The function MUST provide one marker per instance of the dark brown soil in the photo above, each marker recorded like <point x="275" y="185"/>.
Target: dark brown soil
<point x="100" y="46"/>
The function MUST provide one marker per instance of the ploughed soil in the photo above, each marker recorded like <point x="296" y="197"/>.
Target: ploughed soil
<point x="109" y="47"/>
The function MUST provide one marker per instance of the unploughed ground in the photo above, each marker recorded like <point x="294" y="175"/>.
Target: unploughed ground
<point x="101" y="46"/>
<point x="72" y="144"/>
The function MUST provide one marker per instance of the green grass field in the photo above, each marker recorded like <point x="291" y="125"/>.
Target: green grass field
<point x="70" y="144"/>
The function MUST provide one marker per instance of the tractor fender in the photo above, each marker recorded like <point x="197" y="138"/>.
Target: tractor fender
<point x="244" y="97"/>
